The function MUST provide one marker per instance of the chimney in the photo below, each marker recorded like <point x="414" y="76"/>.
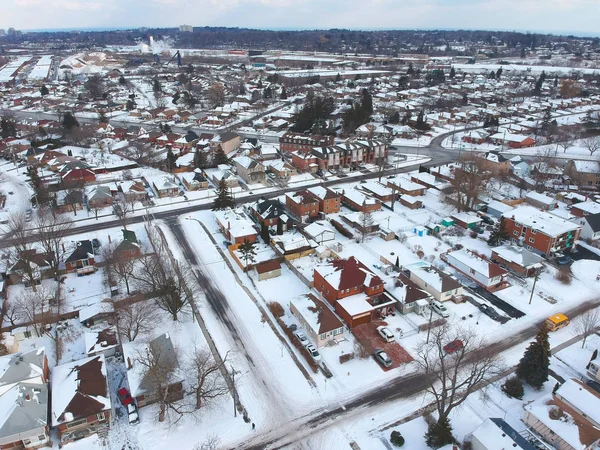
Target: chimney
<point x="27" y="397"/>
<point x="228" y="225"/>
<point x="63" y="247"/>
<point x="109" y="239"/>
<point x="129" y="365"/>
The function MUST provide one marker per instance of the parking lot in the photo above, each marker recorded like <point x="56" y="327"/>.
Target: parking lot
<point x="368" y="336"/>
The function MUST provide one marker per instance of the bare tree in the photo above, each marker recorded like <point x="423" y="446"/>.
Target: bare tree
<point x="95" y="86"/>
<point x="82" y="135"/>
<point x="211" y="442"/>
<point x="592" y="144"/>
<point x="122" y="210"/>
<point x="587" y="324"/>
<point x="34" y="307"/>
<point x="470" y="179"/>
<point x="216" y="94"/>
<point x="17" y="228"/>
<point x="137" y="318"/>
<point x="365" y="222"/>
<point x="160" y="275"/>
<point x="119" y="264"/>
<point x="205" y="376"/>
<point x="157" y="370"/>
<point x="140" y="152"/>
<point x="566" y="139"/>
<point x="453" y="377"/>
<point x="51" y="229"/>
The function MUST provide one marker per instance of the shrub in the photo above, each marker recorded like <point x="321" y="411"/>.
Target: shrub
<point x="346" y="357"/>
<point x="402" y="237"/>
<point x="439" y="434"/>
<point x="467" y="445"/>
<point x="458" y="246"/>
<point x="420" y="254"/>
<point x="513" y="387"/>
<point x="397" y="439"/>
<point x="564" y="276"/>
<point x="360" y="350"/>
<point x="473" y="234"/>
<point x="276" y="309"/>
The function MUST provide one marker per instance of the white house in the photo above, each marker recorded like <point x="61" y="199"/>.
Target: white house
<point x="591" y="226"/>
<point x="439" y="284"/>
<point x="496" y="434"/>
<point x="477" y="268"/>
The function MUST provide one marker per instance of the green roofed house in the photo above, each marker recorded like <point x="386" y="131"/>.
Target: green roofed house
<point x="129" y="246"/>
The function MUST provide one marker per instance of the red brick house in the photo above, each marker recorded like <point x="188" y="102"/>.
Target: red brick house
<point x="305" y="161"/>
<point x="540" y="231"/>
<point x="329" y="201"/>
<point x="302" y="204"/>
<point x="269" y="212"/>
<point x="80" y="399"/>
<point x="236" y="226"/>
<point x="82" y="257"/>
<point x="358" y="201"/>
<point x="292" y="142"/>
<point x="78" y="176"/>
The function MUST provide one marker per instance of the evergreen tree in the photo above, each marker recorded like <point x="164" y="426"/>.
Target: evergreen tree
<point x="499" y="73"/>
<point x="338" y="78"/>
<point x="247" y="252"/>
<point x="533" y="367"/>
<point x="452" y="73"/>
<point x="156" y="88"/>
<point x="44" y="90"/>
<point x="410" y="70"/>
<point x="367" y="102"/>
<point x="499" y="234"/>
<point x="171" y="160"/>
<point x="283" y="95"/>
<point x="69" y="121"/>
<point x="267" y="92"/>
<point x="224" y="198"/>
<point x="8" y="127"/>
<point x="122" y="80"/>
<point x="492" y="75"/>
<point x="219" y="156"/>
<point x="420" y="124"/>
<point x="200" y="159"/>
<point x="513" y="387"/>
<point x="555" y="81"/>
<point x="439" y="434"/>
<point x="394" y="118"/>
<point x="131" y="105"/>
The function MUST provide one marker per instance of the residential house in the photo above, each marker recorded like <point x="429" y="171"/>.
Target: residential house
<point x="293" y="245"/>
<point x="496" y="208"/>
<point x="193" y="181"/>
<point x="24" y="400"/>
<point x="269" y="212"/>
<point x="408" y="294"/>
<point x="428" y="180"/>
<point x="476" y="137"/>
<point x="541" y="201"/>
<point x="578" y="407"/>
<point x="582" y="209"/>
<point x="410" y="202"/>
<point x="302" y="204"/>
<point x="540" y="231"/>
<point x="30" y="267"/>
<point x="165" y="186"/>
<point x="133" y="190"/>
<point x="293" y="142"/>
<point x="406" y="186"/>
<point x="584" y="173"/>
<point x="518" y="259"/>
<point x="377" y="190"/>
<point x="329" y="200"/>
<point x="356" y="200"/>
<point x="101" y="342"/>
<point x="520" y="167"/>
<point x="438" y="283"/>
<point x="80" y="399"/>
<point x="512" y="140"/>
<point x="97" y="312"/>
<point x="282" y="170"/>
<point x="321" y="324"/>
<point x="268" y="269"/>
<point x="320" y="232"/>
<point x="235" y="225"/>
<point x="81" y="259"/>
<point x="590" y="226"/>
<point x="305" y="161"/>
<point x="250" y="170"/>
<point x="229" y="142"/>
<point x="496" y="434"/>
<point x="77" y="177"/>
<point x="70" y="201"/>
<point x="129" y="247"/>
<point x="141" y="386"/>
<point x="477" y="268"/>
<point x="495" y="163"/>
<point x="356" y="293"/>
<point x="99" y="196"/>
<point x="223" y="172"/>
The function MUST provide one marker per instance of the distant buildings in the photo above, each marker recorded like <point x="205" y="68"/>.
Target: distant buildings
<point x="186" y="29"/>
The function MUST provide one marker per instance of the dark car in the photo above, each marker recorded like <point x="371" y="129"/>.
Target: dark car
<point x="124" y="396"/>
<point x="489" y="311"/>
<point x="593" y="384"/>
<point x="564" y="260"/>
<point x="453" y="346"/>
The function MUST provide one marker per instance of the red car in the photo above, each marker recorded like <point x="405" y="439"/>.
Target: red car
<point x="453" y="346"/>
<point x="124" y="396"/>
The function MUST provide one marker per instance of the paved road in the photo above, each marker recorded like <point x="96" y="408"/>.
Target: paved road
<point x="402" y="387"/>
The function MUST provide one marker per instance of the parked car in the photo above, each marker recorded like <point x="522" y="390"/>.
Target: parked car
<point x="489" y="311"/>
<point x="314" y="353"/>
<point x="301" y="337"/>
<point x="563" y="260"/>
<point x="132" y="414"/>
<point x="453" y="346"/>
<point x="593" y="384"/>
<point x="386" y="334"/>
<point x="439" y="308"/>
<point x="382" y="358"/>
<point x="124" y="396"/>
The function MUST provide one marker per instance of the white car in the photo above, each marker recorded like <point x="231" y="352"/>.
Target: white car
<point x="312" y="350"/>
<point x="132" y="414"/>
<point x="440" y="309"/>
<point x="386" y="334"/>
<point x="301" y="337"/>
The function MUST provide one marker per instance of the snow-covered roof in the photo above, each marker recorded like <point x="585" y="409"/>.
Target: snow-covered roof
<point x="318" y="316"/>
<point x="355" y="304"/>
<point x="320" y="231"/>
<point x="541" y="198"/>
<point x="466" y="217"/>
<point x="97" y="341"/>
<point x="581" y="398"/>
<point x="588" y="207"/>
<point x="405" y="184"/>
<point x="434" y="278"/>
<point x="359" y="198"/>
<point x="476" y="263"/>
<point x="496" y="434"/>
<point x="519" y="255"/>
<point x="547" y="223"/>
<point x="236" y="222"/>
<point x="499" y="206"/>
<point x="586" y="166"/>
<point x="95" y="309"/>
<point x="377" y="188"/>
<point x="79" y="389"/>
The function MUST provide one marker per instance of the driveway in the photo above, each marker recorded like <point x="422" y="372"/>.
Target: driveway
<point x="368" y="336"/>
<point x="498" y="302"/>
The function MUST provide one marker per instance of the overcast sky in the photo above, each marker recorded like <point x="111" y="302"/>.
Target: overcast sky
<point x="525" y="15"/>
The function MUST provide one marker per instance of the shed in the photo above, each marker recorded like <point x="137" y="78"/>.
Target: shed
<point x="268" y="269"/>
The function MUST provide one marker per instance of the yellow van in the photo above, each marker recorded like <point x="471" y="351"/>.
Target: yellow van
<point x="556" y="322"/>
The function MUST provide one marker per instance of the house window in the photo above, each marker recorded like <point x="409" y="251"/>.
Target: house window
<point x="323" y="336"/>
<point x="533" y="231"/>
<point x="100" y="416"/>
<point x="532" y="240"/>
<point x="27" y="334"/>
<point x="472" y="271"/>
<point x="516" y="233"/>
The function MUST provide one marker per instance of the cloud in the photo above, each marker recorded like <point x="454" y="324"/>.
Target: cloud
<point x="568" y="15"/>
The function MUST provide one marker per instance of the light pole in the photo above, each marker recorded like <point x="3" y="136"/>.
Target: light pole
<point x="537" y="275"/>
<point x="429" y="327"/>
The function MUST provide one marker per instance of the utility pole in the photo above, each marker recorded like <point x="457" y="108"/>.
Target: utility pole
<point x="537" y="275"/>
<point x="429" y="327"/>
<point x="234" y="392"/>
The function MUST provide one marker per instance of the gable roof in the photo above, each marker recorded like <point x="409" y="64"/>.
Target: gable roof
<point x="83" y="250"/>
<point x="320" y="318"/>
<point x="593" y="221"/>
<point x="80" y="389"/>
<point x="344" y="274"/>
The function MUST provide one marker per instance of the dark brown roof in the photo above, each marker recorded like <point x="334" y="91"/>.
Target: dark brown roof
<point x="91" y="383"/>
<point x="267" y="266"/>
<point x="328" y="321"/>
<point x="354" y="273"/>
<point x="412" y="291"/>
